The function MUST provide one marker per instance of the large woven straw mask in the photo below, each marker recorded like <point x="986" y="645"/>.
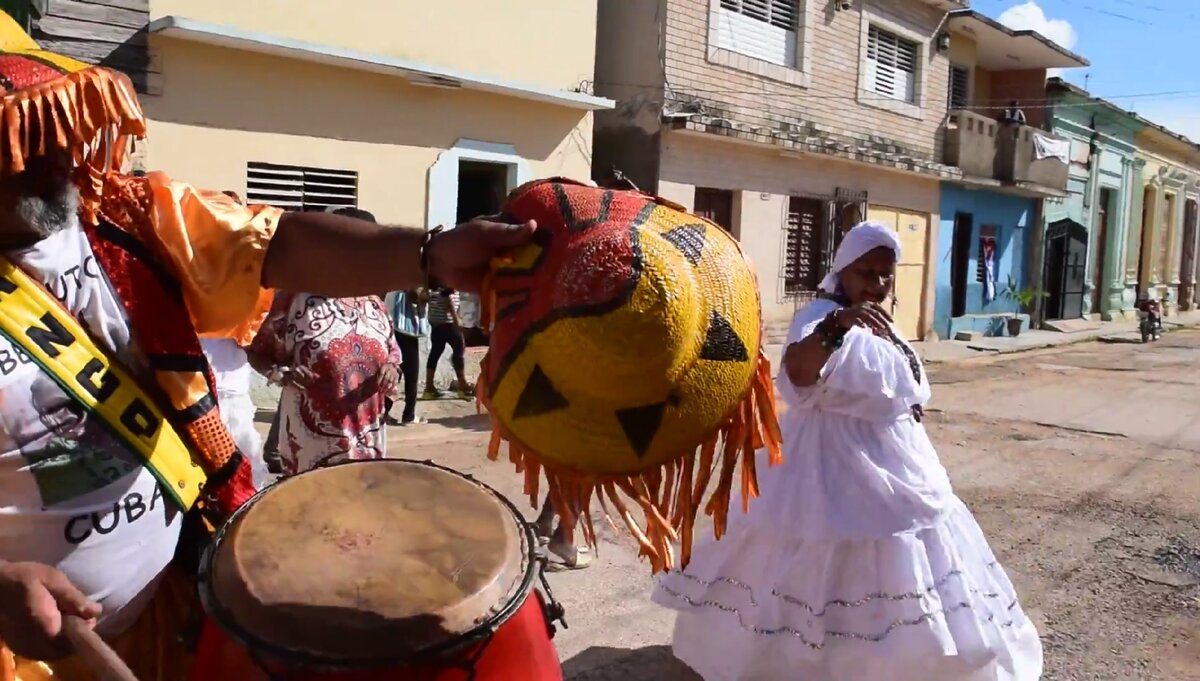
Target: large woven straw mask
<point x="626" y="362"/>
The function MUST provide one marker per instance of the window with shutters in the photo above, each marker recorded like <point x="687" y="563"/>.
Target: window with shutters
<point x="300" y="187"/>
<point x="804" y="245"/>
<point x="891" y="65"/>
<point x="960" y="86"/>
<point x="763" y="29"/>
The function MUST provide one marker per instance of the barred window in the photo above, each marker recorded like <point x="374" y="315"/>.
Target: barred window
<point x="804" y="245"/>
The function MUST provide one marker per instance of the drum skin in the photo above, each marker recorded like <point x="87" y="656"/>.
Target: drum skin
<point x="372" y="567"/>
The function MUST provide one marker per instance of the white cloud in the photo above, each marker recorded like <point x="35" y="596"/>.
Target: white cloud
<point x="1030" y="16"/>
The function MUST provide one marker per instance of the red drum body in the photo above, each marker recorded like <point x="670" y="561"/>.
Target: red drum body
<point x="374" y="571"/>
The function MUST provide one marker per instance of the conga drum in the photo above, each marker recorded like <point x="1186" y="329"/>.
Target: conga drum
<point x="373" y="571"/>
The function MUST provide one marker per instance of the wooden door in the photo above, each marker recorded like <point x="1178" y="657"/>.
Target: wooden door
<point x="1187" y="259"/>
<point x="913" y="230"/>
<point x="1099" y="275"/>
<point x="715" y="205"/>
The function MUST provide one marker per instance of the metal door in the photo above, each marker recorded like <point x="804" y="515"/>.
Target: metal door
<point x="1066" y="269"/>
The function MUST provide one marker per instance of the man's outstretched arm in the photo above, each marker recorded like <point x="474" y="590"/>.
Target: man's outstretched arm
<point x="335" y="255"/>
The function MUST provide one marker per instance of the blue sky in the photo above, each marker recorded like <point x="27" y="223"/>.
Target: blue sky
<point x="1136" y="47"/>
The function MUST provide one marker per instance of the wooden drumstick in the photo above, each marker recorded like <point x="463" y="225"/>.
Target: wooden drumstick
<point x="99" y="656"/>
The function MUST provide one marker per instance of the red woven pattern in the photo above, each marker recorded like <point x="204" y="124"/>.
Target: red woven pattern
<point x="18" y="72"/>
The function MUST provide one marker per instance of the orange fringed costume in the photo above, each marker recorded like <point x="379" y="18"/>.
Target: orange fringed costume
<point x="181" y="262"/>
<point x="626" y="362"/>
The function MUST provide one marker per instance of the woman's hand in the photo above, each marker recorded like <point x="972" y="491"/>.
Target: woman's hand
<point x="870" y="316"/>
<point x="299" y="377"/>
<point x="389" y="379"/>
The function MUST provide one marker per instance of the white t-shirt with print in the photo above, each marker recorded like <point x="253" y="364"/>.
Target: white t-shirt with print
<point x="71" y="495"/>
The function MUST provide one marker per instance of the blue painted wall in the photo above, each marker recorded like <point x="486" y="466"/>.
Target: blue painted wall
<point x="1011" y="215"/>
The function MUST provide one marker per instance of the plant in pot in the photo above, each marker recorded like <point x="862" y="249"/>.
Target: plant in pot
<point x="1024" y="299"/>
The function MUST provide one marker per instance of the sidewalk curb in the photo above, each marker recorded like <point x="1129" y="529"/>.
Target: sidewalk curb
<point x="1068" y="339"/>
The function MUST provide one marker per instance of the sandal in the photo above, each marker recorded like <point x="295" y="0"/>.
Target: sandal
<point x="583" y="558"/>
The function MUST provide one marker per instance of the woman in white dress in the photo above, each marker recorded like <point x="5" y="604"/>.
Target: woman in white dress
<point x="858" y="562"/>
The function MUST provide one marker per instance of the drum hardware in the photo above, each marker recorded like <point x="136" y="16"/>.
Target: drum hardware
<point x="554" y="611"/>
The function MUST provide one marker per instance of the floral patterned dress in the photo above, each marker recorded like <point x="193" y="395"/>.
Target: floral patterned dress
<point x="345" y="342"/>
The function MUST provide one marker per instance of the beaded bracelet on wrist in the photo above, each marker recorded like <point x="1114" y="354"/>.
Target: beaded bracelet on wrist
<point x="832" y="333"/>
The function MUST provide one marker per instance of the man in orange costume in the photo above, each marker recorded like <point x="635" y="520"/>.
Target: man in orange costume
<point x="146" y="265"/>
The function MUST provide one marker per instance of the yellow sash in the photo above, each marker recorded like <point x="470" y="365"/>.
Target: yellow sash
<point x="40" y="326"/>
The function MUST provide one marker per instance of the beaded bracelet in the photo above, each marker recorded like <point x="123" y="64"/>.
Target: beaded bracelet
<point x="832" y="333"/>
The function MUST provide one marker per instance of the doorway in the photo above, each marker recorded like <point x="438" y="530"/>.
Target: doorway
<point x="960" y="262"/>
<point x="1187" y="260"/>
<point x="1099" y="272"/>
<point x="716" y="205"/>
<point x="1066" y="269"/>
<point x="1146" y="255"/>
<point x="482" y="187"/>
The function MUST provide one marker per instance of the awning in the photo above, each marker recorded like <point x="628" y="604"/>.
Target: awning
<point x="414" y="72"/>
<point x="1000" y="48"/>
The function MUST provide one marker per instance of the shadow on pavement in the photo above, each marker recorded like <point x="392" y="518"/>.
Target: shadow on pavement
<point x="652" y="663"/>
<point x="478" y="423"/>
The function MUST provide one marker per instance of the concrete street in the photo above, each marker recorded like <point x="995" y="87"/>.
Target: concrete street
<point x="1081" y="463"/>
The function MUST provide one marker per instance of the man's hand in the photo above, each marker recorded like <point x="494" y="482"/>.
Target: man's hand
<point x="389" y="378"/>
<point x="459" y="258"/>
<point x="34" y="598"/>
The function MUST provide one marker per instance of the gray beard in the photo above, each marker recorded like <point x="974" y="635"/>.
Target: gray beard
<point x="37" y="217"/>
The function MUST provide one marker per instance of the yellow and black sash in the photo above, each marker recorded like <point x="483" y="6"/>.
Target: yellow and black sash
<point x="40" y="326"/>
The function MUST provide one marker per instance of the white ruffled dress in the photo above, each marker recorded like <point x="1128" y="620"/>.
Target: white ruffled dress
<point x="857" y="562"/>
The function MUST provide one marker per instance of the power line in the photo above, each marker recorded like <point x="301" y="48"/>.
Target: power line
<point x="680" y="92"/>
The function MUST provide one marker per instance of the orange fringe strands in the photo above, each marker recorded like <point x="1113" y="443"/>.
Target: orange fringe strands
<point x="92" y="113"/>
<point x="668" y="499"/>
<point x="624" y="297"/>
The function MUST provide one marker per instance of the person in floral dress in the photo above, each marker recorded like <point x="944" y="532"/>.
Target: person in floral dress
<point x="337" y="360"/>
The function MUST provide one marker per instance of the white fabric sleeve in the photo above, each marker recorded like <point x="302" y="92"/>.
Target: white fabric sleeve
<point x="867" y="376"/>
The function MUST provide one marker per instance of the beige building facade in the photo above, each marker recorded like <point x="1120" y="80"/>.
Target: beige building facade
<point x="412" y="111"/>
<point x="786" y="122"/>
<point x="1163" y="246"/>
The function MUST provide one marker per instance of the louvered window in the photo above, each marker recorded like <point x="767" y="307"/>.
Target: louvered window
<point x="891" y="65"/>
<point x="300" y="187"/>
<point x="960" y="83"/>
<point x="763" y="29"/>
<point x="804" y="245"/>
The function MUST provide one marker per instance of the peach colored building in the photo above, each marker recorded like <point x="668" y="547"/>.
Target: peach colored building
<point x="422" y="116"/>
<point x="418" y="112"/>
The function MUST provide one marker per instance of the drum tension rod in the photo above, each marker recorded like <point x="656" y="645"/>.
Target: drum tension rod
<point x="554" y="609"/>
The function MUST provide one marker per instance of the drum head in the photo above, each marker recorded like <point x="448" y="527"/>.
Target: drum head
<point x="367" y="563"/>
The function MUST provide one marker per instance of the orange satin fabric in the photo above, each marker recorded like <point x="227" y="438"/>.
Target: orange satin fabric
<point x="217" y="247"/>
<point x="151" y="647"/>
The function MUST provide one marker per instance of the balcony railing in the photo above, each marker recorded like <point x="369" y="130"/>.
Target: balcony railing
<point x="983" y="147"/>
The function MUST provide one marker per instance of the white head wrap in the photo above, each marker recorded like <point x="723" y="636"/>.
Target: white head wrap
<point x="862" y="239"/>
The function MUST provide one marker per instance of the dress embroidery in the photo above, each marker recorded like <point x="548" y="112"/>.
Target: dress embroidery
<point x="345" y="342"/>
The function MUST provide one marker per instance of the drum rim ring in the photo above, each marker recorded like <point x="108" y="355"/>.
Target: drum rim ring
<point x="319" y="662"/>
